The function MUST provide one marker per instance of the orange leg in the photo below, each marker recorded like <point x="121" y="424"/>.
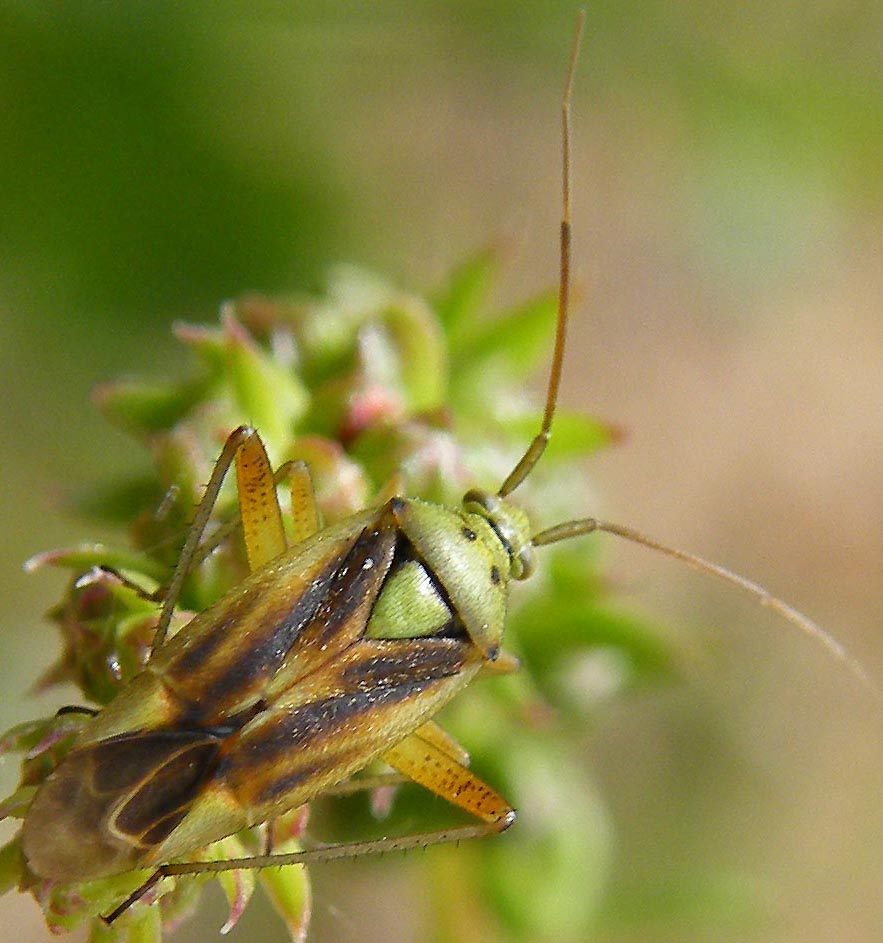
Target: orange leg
<point x="422" y="759"/>
<point x="304" y="513"/>
<point x="258" y="503"/>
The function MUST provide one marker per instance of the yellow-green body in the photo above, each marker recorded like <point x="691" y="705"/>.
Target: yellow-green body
<point x="319" y="662"/>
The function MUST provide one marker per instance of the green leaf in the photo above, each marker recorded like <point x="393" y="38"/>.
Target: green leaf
<point x="520" y="339"/>
<point x="67" y="906"/>
<point x="11" y="865"/>
<point x="289" y="887"/>
<point x="238" y="888"/>
<point x="548" y="881"/>
<point x="583" y="625"/>
<point x="143" y="926"/>
<point x="145" y="408"/>
<point x="86" y="555"/>
<point x="269" y="396"/>
<point x="117" y="502"/>
<point x="420" y="345"/>
<point x="24" y="737"/>
<point x="426" y="456"/>
<point x="18" y="803"/>
<point x="206" y="342"/>
<point x="289" y="891"/>
<point x="463" y="297"/>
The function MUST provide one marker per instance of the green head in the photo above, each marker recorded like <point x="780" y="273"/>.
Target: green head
<point x="511" y="526"/>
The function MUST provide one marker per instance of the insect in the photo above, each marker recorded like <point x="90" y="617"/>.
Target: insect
<point x="336" y="651"/>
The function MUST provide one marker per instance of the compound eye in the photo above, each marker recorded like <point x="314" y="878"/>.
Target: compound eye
<point x="480" y="502"/>
<point x="525" y="562"/>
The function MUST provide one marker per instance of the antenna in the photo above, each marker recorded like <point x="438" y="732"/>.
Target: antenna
<point x="538" y="445"/>
<point x="569" y="529"/>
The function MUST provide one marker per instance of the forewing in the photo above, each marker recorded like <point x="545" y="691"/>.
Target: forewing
<point x="342" y="717"/>
<point x="280" y="624"/>
<point x="110" y="803"/>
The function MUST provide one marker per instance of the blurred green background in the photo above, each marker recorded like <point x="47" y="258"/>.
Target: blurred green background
<point x="157" y="158"/>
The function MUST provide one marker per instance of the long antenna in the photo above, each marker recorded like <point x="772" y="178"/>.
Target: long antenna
<point x="541" y="440"/>
<point x="536" y="448"/>
<point x="588" y="525"/>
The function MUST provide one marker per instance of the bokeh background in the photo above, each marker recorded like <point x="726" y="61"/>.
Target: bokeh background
<point x="158" y="157"/>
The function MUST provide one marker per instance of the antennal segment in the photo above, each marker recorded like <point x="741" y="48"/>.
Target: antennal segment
<point x="538" y="445"/>
<point x="806" y="625"/>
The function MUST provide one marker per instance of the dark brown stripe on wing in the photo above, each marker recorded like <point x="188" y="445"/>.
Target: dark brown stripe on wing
<point x="167" y="795"/>
<point x="356" y="583"/>
<point x="161" y="830"/>
<point x="274" y="637"/>
<point x="377" y="681"/>
<point x="194" y="658"/>
<point x="391" y="664"/>
<point x="170" y="782"/>
<point x="306" y="773"/>
<point x="308" y="724"/>
<point x="120" y="763"/>
<point x="212" y="676"/>
<point x="210" y="673"/>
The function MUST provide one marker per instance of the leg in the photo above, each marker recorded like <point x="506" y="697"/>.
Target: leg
<point x="330" y="853"/>
<point x="76" y="709"/>
<point x="139" y="591"/>
<point x="350" y="787"/>
<point x="420" y="759"/>
<point x="304" y="513"/>
<point x="258" y="503"/>
<point x="260" y="512"/>
<point x="234" y="525"/>
<point x="441" y="739"/>
<point x="506" y="664"/>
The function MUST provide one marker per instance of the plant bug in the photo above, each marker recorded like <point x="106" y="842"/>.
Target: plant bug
<point x="385" y="617"/>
